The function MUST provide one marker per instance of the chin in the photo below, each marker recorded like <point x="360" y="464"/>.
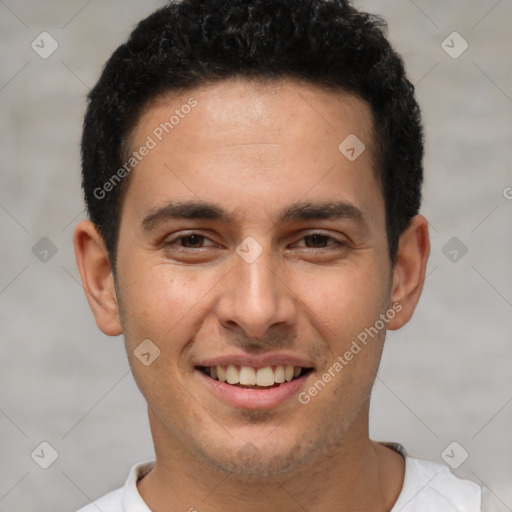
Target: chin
<point x="266" y="459"/>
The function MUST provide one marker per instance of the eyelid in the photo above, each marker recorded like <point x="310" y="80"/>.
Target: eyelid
<point x="185" y="234"/>
<point x="337" y="241"/>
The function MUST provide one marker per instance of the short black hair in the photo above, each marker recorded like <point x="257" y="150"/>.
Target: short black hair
<point x="190" y="43"/>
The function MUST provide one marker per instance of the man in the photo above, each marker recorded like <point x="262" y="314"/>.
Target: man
<point x="252" y="171"/>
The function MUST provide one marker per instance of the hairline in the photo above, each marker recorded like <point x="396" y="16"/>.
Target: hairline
<point x="127" y="145"/>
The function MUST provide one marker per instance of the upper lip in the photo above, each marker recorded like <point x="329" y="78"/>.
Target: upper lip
<point x="257" y="361"/>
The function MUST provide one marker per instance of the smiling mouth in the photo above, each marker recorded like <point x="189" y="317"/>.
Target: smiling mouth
<point x="254" y="378"/>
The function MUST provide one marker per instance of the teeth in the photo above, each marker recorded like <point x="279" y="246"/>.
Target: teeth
<point x="232" y="374"/>
<point x="279" y="374"/>
<point x="221" y="373"/>
<point x="265" y="377"/>
<point x="248" y="376"/>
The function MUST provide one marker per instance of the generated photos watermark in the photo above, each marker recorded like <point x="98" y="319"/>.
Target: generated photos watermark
<point x="152" y="141"/>
<point x="356" y="347"/>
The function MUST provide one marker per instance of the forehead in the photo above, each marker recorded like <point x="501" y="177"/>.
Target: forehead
<point x="259" y="110"/>
<point x="273" y="140"/>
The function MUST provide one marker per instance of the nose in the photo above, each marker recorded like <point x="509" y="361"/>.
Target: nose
<point x="257" y="303"/>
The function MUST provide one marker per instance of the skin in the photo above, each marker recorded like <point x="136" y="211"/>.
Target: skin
<point x="254" y="148"/>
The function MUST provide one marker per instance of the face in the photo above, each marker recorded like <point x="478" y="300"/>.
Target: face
<point x="249" y="243"/>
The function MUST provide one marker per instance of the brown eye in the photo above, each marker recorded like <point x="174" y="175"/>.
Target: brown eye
<point x="321" y="241"/>
<point x="192" y="241"/>
<point x="317" y="240"/>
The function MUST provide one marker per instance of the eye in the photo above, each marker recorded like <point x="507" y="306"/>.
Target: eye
<point x="321" y="240"/>
<point x="196" y="241"/>
<point x="188" y="241"/>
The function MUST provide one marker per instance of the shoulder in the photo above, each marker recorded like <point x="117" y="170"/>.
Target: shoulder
<point x="111" y="502"/>
<point x="429" y="486"/>
<point x="126" y="498"/>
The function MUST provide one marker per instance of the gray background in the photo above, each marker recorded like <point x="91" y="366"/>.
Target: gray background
<point x="444" y="377"/>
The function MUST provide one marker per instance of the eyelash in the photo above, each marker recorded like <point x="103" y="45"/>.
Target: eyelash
<point x="204" y="237"/>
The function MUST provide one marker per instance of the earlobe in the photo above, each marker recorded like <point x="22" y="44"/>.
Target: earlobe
<point x="410" y="269"/>
<point x="97" y="278"/>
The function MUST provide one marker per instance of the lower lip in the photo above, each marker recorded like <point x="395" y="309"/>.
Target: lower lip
<point x="248" y="398"/>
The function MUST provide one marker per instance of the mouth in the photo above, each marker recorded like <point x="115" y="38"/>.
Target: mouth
<point x="248" y="377"/>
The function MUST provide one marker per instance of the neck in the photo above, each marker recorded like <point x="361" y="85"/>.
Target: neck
<point x="357" y="475"/>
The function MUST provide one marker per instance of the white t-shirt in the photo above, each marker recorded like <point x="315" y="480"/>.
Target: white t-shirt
<point x="428" y="487"/>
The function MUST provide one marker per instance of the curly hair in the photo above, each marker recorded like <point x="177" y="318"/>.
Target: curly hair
<point x="189" y="43"/>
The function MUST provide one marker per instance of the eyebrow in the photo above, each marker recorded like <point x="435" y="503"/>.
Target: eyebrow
<point x="202" y="210"/>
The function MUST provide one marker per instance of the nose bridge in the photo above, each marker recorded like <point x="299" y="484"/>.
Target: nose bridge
<point x="255" y="298"/>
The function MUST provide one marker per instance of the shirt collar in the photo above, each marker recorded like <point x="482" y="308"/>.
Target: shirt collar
<point x="132" y="500"/>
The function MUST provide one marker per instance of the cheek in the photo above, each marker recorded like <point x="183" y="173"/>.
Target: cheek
<point x="160" y="301"/>
<point x="346" y="299"/>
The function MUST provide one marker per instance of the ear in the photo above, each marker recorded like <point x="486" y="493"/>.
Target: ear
<point x="97" y="278"/>
<point x="409" y="270"/>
